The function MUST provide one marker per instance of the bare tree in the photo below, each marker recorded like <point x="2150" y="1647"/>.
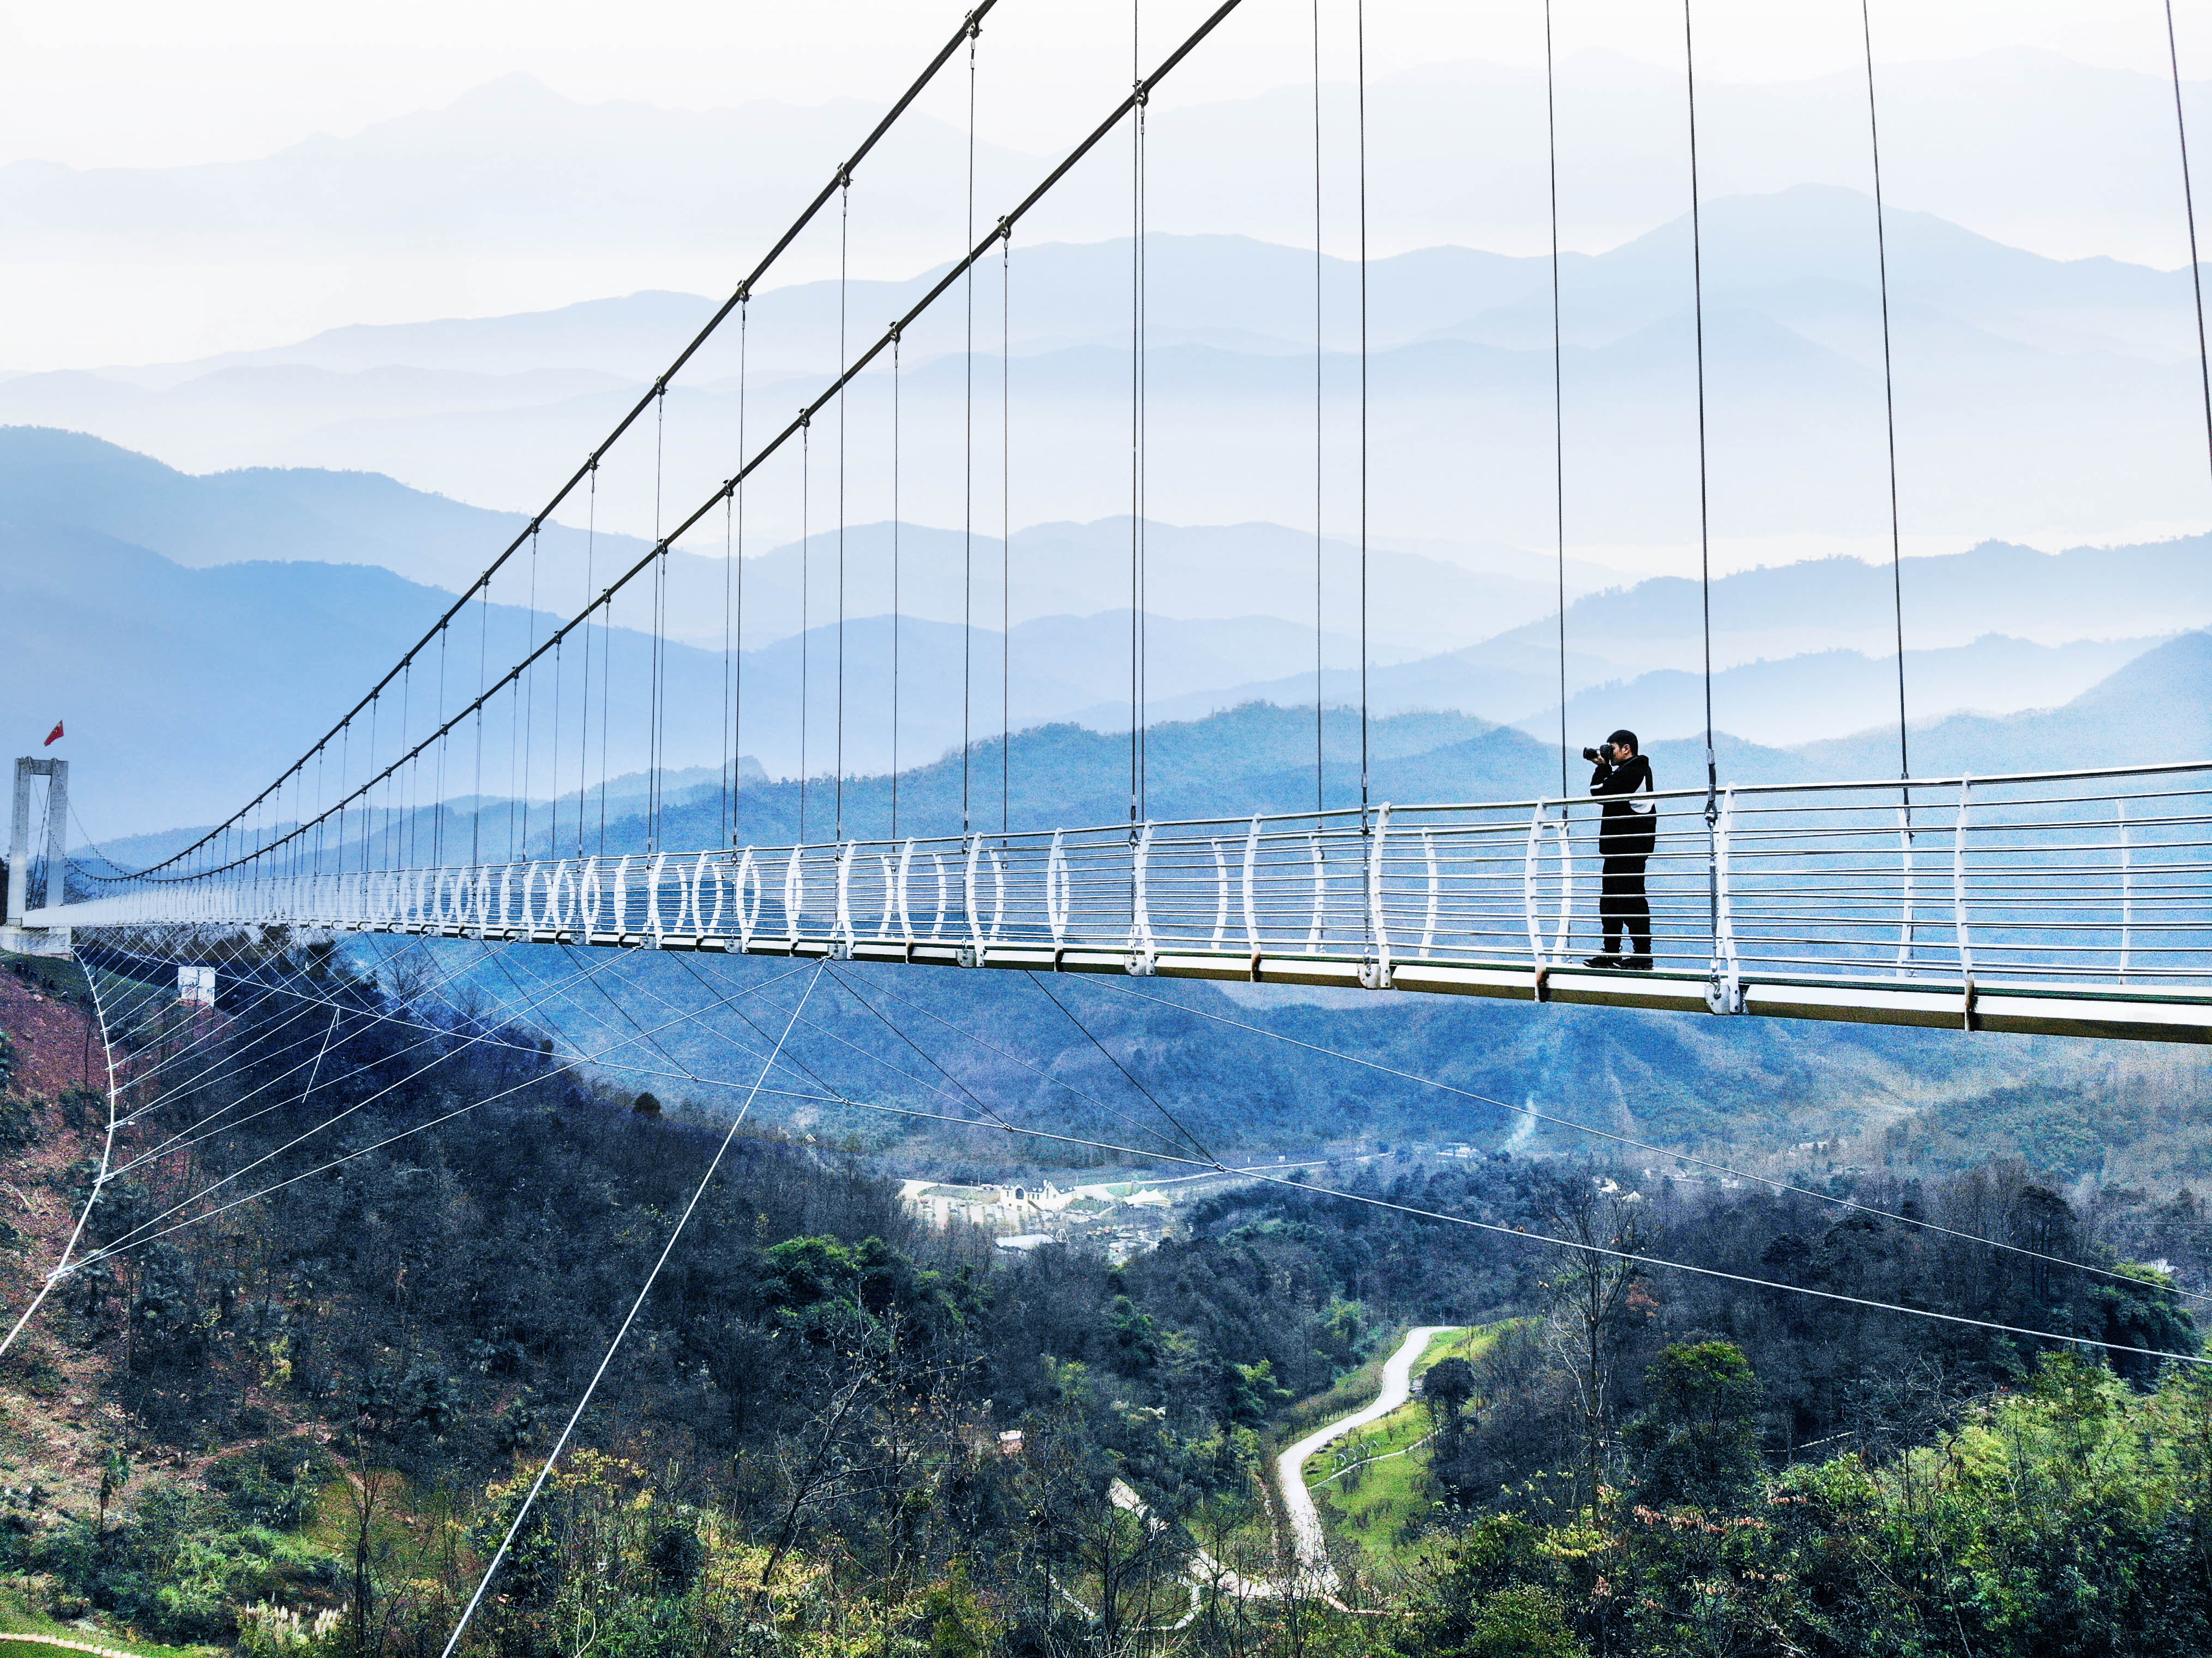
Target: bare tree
<point x="1593" y="1293"/>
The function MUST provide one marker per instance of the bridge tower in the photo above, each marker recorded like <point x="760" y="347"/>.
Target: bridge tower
<point x="14" y="935"/>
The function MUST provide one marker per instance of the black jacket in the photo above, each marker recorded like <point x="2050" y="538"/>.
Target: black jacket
<point x="1624" y="831"/>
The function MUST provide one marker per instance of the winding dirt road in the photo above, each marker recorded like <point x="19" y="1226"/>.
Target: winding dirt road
<point x="1315" y="1572"/>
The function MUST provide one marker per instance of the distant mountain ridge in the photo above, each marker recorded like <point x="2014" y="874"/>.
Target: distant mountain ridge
<point x="2036" y="397"/>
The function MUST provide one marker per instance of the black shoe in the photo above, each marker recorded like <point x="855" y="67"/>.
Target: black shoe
<point x="1601" y="961"/>
<point x="1637" y="964"/>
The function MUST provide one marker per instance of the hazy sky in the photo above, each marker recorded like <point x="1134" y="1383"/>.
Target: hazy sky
<point x="158" y="82"/>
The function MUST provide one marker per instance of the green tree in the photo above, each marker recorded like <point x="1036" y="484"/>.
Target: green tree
<point x="1699" y="1438"/>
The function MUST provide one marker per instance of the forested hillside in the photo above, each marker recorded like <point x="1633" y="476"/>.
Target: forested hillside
<point x="298" y="1412"/>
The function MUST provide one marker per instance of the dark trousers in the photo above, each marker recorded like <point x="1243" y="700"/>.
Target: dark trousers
<point x="1621" y="905"/>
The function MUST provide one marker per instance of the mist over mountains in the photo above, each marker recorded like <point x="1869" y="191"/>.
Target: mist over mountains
<point x="197" y="631"/>
<point x="2037" y="399"/>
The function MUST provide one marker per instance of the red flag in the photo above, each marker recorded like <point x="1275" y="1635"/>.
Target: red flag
<point x="54" y="736"/>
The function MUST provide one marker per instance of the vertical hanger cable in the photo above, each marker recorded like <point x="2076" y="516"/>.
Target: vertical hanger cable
<point x="896" y="618"/>
<point x="968" y="477"/>
<point x="844" y="220"/>
<point x="1136" y="358"/>
<point x="1317" y="404"/>
<point x="656" y="705"/>
<point x="1558" y="377"/>
<point x="1705" y="517"/>
<point x="1005" y="528"/>
<point x="737" y="664"/>
<point x="805" y="598"/>
<point x="1359" y="58"/>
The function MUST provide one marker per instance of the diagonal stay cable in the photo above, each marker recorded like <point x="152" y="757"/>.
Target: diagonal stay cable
<point x="945" y="1117"/>
<point x="1635" y="1257"/>
<point x="215" y="1031"/>
<point x="890" y="1025"/>
<point x="433" y="1033"/>
<point x="644" y="1289"/>
<point x="1188" y="1139"/>
<point x="311" y="1003"/>
<point x="129" y="1238"/>
<point x="107" y="1250"/>
<point x="1535" y="1115"/>
<point x="603" y="1062"/>
<point x="1034" y="1070"/>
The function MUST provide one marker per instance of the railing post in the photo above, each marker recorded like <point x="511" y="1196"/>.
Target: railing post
<point x="1724" y="989"/>
<point x="1141" y="916"/>
<point x="1251" y="889"/>
<point x="845" y="895"/>
<point x="794" y="896"/>
<point x="1378" y="924"/>
<point x="1531" y="867"/>
<point x="1907" y="921"/>
<point x="968" y="896"/>
<point x="1436" y="892"/>
<point x="749" y="877"/>
<point x="1958" y="923"/>
<point x="905" y="872"/>
<point x="653" y="869"/>
<point x="2127" y="886"/>
<point x="1220" y="892"/>
<point x="1056" y="889"/>
<point x="1314" y="928"/>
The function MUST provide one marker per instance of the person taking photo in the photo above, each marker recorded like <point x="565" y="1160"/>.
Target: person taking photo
<point x="1626" y="833"/>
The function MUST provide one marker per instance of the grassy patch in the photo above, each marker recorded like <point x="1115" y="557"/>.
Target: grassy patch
<point x="1369" y="1484"/>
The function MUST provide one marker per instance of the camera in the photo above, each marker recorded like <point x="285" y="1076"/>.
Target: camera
<point x="1598" y="755"/>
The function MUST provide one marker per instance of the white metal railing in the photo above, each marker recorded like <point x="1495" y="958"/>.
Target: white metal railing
<point x="2101" y="877"/>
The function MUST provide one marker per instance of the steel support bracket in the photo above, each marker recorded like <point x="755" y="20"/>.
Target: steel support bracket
<point x="1724" y="992"/>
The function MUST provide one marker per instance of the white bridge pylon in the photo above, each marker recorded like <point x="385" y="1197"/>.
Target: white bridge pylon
<point x="2075" y="903"/>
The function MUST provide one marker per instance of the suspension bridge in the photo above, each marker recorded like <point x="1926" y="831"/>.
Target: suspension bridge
<point x="2077" y="902"/>
<point x="452" y="803"/>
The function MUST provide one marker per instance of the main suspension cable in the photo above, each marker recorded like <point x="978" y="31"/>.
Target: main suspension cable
<point x="970" y="25"/>
<point x="2189" y="201"/>
<point x="860" y="364"/>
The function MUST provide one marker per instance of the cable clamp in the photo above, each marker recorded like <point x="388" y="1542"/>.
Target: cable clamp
<point x="1376" y="976"/>
<point x="969" y="955"/>
<point x="1966" y="1007"/>
<point x="1724" y="991"/>
<point x="973" y="27"/>
<point x="1006" y="229"/>
<point x="844" y="176"/>
<point x="1142" y="95"/>
<point x="1543" y="986"/>
<point x="1143" y="964"/>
